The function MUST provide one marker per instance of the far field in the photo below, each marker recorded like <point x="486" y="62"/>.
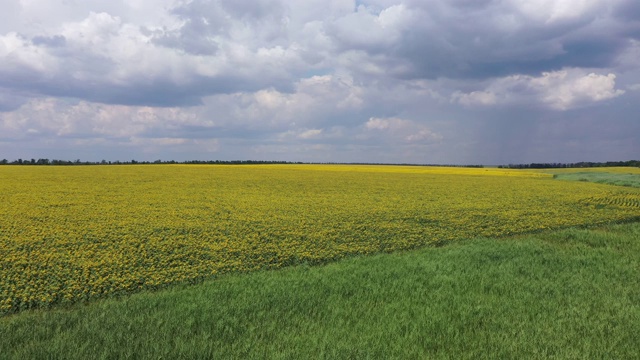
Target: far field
<point x="81" y="233"/>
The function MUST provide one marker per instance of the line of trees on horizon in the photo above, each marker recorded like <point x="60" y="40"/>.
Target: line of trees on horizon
<point x="135" y="162"/>
<point x="203" y="162"/>
<point x="584" y="164"/>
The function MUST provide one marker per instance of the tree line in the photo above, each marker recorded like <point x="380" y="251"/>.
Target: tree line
<point x="583" y="164"/>
<point x="135" y="162"/>
<point x="210" y="162"/>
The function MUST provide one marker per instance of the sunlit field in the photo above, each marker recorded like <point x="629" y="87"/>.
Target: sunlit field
<point x="78" y="233"/>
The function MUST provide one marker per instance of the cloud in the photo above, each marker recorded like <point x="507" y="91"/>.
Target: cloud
<point x="559" y="90"/>
<point x="104" y="59"/>
<point x="10" y="101"/>
<point x="45" y="117"/>
<point x="204" y="47"/>
<point x="366" y="29"/>
<point x="317" y="100"/>
<point x="53" y="41"/>
<point x="461" y="39"/>
<point x="310" y="134"/>
<point x="475" y="98"/>
<point x="400" y="130"/>
<point x="366" y="80"/>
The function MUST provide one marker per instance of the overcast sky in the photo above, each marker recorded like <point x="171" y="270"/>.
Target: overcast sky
<point x="429" y="81"/>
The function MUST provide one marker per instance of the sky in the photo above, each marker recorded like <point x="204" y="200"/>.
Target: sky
<point x="383" y="81"/>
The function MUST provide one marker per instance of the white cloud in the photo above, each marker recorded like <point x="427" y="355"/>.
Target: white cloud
<point x="551" y="11"/>
<point x="314" y="99"/>
<point x="105" y="58"/>
<point x="559" y="90"/>
<point x="380" y="124"/>
<point x="400" y="130"/>
<point x="365" y="28"/>
<point x="475" y="98"/>
<point x="310" y="134"/>
<point x="82" y="119"/>
<point x="562" y="91"/>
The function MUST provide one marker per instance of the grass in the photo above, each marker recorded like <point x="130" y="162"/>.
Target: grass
<point x="620" y="179"/>
<point x="565" y="294"/>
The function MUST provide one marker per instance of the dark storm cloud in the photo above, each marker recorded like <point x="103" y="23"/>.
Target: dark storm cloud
<point x="154" y="92"/>
<point x="628" y="10"/>
<point x="472" y="39"/>
<point x="157" y="92"/>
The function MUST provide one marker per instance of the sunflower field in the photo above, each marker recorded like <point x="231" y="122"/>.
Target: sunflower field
<point x="71" y="234"/>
